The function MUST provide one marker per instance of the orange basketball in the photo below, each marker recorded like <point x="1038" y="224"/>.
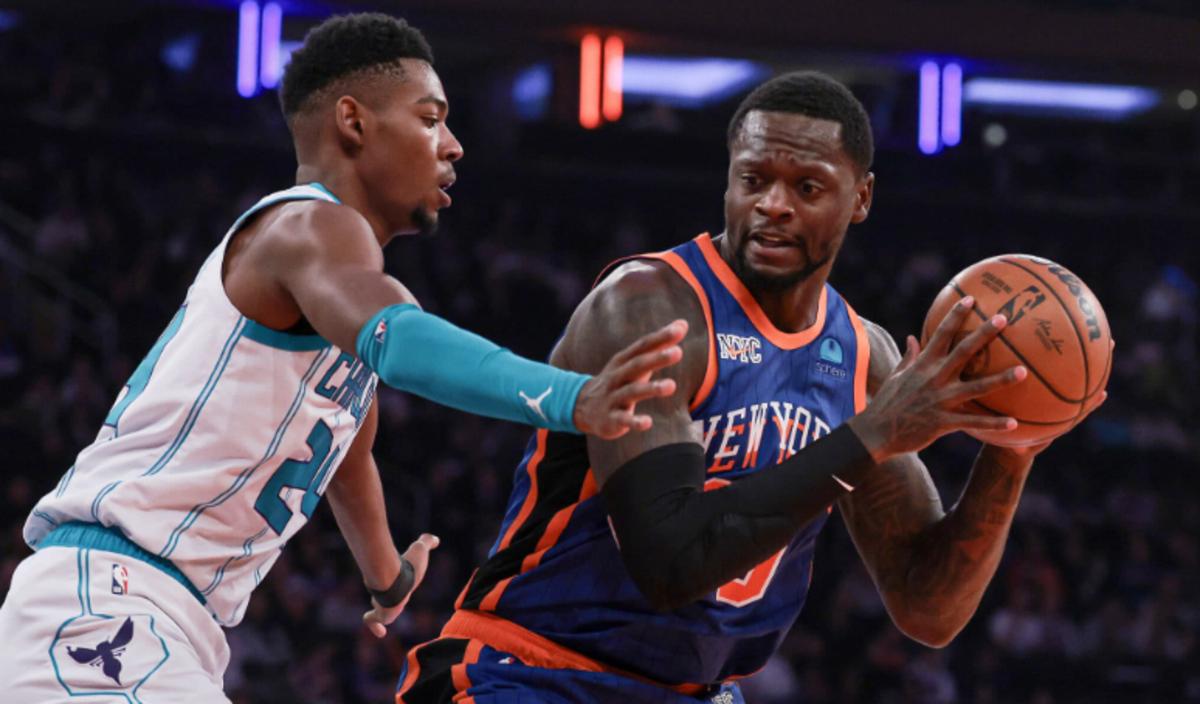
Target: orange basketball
<point x="1056" y="328"/>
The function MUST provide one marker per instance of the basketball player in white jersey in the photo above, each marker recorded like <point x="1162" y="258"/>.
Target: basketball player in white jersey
<point x="262" y="387"/>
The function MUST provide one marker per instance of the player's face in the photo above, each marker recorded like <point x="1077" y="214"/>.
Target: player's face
<point x="408" y="163"/>
<point x="792" y="193"/>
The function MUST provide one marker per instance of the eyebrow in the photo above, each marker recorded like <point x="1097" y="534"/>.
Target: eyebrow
<point x="442" y="106"/>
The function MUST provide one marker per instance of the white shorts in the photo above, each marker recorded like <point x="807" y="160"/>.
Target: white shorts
<point x="88" y="622"/>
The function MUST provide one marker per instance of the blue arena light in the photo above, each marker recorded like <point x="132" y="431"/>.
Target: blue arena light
<point x="1081" y="98"/>
<point x="531" y="91"/>
<point x="9" y="19"/>
<point x="686" y="81"/>
<point x="270" y="66"/>
<point x="247" y="66"/>
<point x="180" y="53"/>
<point x="928" y="134"/>
<point x="952" y="104"/>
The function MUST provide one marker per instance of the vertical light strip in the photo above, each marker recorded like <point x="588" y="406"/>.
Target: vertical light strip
<point x="952" y="104"/>
<point x="272" y="30"/>
<point x="614" y="61"/>
<point x="927" y="117"/>
<point x="589" y="81"/>
<point x="247" y="64"/>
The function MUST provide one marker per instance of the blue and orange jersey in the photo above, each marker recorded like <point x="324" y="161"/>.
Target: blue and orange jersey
<point x="555" y="569"/>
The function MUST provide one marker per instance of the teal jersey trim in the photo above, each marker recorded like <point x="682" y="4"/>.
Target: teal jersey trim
<point x="97" y="537"/>
<point x="283" y="340"/>
<point x="198" y="405"/>
<point x="321" y="187"/>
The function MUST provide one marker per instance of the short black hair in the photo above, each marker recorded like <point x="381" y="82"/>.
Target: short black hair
<point x="346" y="45"/>
<point x="819" y="96"/>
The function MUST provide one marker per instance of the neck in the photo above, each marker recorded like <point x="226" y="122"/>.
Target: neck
<point x="350" y="192"/>
<point x="791" y="309"/>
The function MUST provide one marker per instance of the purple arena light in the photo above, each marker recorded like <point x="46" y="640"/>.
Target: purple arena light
<point x="247" y="73"/>
<point x="270" y="67"/>
<point x="927" y="117"/>
<point x="952" y="104"/>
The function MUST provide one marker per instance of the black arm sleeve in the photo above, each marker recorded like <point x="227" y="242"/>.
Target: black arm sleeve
<point x="680" y="542"/>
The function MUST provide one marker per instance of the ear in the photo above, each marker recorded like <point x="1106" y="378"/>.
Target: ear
<point x="864" y="193"/>
<point x="348" y="116"/>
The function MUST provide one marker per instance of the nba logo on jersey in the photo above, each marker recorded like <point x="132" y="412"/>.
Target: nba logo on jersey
<point x="380" y="331"/>
<point x="120" y="579"/>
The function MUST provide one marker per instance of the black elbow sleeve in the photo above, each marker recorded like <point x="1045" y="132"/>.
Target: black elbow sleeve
<point x="680" y="543"/>
<point x="645" y="499"/>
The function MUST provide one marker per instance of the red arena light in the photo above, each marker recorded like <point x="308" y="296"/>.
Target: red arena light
<point x="589" y="81"/>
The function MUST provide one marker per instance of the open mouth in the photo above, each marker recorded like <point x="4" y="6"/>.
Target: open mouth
<point x="770" y="240"/>
<point x="443" y="187"/>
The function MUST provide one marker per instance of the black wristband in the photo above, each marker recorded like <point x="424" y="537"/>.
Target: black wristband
<point x="393" y="595"/>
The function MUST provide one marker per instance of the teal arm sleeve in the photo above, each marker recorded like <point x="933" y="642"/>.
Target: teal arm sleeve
<point x="414" y="351"/>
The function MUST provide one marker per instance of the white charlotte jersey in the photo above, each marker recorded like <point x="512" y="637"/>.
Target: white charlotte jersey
<point x="222" y="442"/>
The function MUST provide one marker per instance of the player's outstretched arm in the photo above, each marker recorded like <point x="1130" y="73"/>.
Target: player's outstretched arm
<point x="680" y="542"/>
<point x="930" y="566"/>
<point x="325" y="259"/>
<point x="356" y="496"/>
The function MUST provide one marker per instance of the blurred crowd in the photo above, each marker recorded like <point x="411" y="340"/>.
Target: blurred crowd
<point x="1098" y="596"/>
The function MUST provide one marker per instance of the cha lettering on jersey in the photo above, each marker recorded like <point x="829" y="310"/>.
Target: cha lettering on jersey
<point x="349" y="384"/>
<point x="739" y="348"/>
<point x="739" y="435"/>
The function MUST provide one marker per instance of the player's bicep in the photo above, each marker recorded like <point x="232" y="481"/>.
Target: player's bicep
<point x="898" y="500"/>
<point x="637" y="299"/>
<point x="329" y="262"/>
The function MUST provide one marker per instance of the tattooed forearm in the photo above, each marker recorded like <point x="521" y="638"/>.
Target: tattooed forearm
<point x="953" y="560"/>
<point x="932" y="567"/>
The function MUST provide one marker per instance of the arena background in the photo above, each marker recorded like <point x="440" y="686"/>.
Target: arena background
<point x="127" y="147"/>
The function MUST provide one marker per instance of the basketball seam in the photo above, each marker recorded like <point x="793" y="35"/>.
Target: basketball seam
<point x="1032" y="370"/>
<point x="996" y="412"/>
<point x="1087" y="376"/>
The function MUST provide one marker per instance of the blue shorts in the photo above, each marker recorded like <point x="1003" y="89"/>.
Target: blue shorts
<point x="466" y="670"/>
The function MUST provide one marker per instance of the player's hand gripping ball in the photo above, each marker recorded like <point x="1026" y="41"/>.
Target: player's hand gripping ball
<point x="1056" y="328"/>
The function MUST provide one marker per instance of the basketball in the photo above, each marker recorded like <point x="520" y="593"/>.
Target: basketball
<point x="1056" y="329"/>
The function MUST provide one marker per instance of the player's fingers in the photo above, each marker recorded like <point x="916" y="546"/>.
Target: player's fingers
<point x="624" y="420"/>
<point x="1094" y="403"/>
<point x="912" y="348"/>
<point x="980" y="421"/>
<point x="974" y="388"/>
<point x="939" y="342"/>
<point x="970" y="345"/>
<point x="630" y="394"/>
<point x="669" y="334"/>
<point x="645" y="364"/>
<point x="373" y="624"/>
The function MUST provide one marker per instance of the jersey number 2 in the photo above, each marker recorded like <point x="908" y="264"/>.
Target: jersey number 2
<point x="748" y="589"/>
<point x="297" y="474"/>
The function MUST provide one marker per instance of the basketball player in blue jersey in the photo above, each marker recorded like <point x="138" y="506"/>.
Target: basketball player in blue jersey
<point x="663" y="566"/>
<point x="262" y="387"/>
